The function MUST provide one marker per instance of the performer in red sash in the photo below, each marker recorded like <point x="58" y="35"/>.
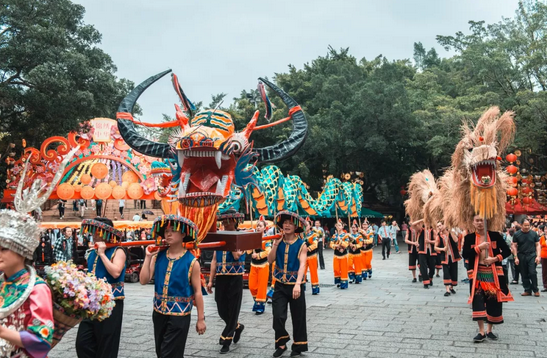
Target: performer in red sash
<point x="446" y="246"/>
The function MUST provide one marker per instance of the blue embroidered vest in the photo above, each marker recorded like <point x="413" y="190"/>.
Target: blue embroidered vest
<point x="96" y="266"/>
<point x="227" y="265"/>
<point x="287" y="261"/>
<point x="173" y="292"/>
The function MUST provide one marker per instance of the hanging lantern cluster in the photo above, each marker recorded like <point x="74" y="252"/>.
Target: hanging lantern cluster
<point x="512" y="180"/>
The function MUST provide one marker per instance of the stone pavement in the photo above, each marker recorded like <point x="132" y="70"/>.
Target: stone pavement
<point x="387" y="316"/>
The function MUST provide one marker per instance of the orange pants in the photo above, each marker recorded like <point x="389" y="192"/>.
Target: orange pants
<point x="258" y="282"/>
<point x="367" y="263"/>
<point x="355" y="267"/>
<point x="340" y="266"/>
<point x="311" y="264"/>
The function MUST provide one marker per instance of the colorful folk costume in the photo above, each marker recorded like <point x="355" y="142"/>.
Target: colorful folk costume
<point x="25" y="299"/>
<point x="228" y="269"/>
<point x="488" y="285"/>
<point x="425" y="258"/>
<point x="288" y="273"/>
<point x="413" y="235"/>
<point x="174" y="295"/>
<point x="476" y="202"/>
<point x="339" y="243"/>
<point x="366" y="253"/>
<point x="355" y="260"/>
<point x="311" y="263"/>
<point x="259" y="275"/>
<point x="102" y="338"/>
<point x="449" y="258"/>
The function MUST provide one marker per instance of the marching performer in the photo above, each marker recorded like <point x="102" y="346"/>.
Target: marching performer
<point x="411" y="239"/>
<point x="26" y="316"/>
<point x="177" y="284"/>
<point x="368" y="244"/>
<point x="102" y="339"/>
<point x="289" y="254"/>
<point x="340" y="243"/>
<point x="260" y="270"/>
<point x="228" y="268"/>
<point x="446" y="246"/>
<point x="355" y="260"/>
<point x="425" y="259"/>
<point x="311" y="262"/>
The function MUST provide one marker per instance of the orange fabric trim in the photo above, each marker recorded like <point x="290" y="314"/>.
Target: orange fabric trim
<point x="494" y="319"/>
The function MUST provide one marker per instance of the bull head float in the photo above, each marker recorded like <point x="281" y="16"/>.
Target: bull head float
<point x="205" y="154"/>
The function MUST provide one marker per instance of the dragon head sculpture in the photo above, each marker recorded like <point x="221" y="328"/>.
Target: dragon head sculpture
<point x="421" y="188"/>
<point x="478" y="181"/>
<point x="210" y="154"/>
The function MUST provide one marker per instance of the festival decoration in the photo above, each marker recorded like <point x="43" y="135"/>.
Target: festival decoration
<point x="76" y="296"/>
<point x="87" y="192"/>
<point x="421" y="187"/>
<point x="118" y="192"/>
<point x="85" y="179"/>
<point x="99" y="170"/>
<point x="65" y="191"/>
<point x="103" y="191"/>
<point x="134" y="191"/>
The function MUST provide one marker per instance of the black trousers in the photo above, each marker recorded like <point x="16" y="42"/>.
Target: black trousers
<point x="228" y="295"/>
<point x="282" y="298"/>
<point x="170" y="334"/>
<point x="527" y="267"/>
<point x="412" y="259"/>
<point x="450" y="273"/>
<point x="386" y="244"/>
<point x="427" y="267"/>
<point x="320" y="253"/>
<point x="99" y="209"/>
<point x="100" y="339"/>
<point x="486" y="308"/>
<point x="515" y="272"/>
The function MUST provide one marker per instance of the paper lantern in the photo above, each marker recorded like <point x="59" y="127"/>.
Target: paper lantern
<point x="527" y="190"/>
<point x="118" y="192"/>
<point x="65" y="191"/>
<point x="112" y="183"/>
<point x="403" y="192"/>
<point x="87" y="192"/>
<point x="512" y="180"/>
<point x="511" y="158"/>
<point x="77" y="187"/>
<point x="512" y="192"/>
<point x="85" y="179"/>
<point x="527" y="200"/>
<point x="130" y="177"/>
<point x="157" y="196"/>
<point x="511" y="169"/>
<point x="134" y="191"/>
<point x="125" y="185"/>
<point x="99" y="170"/>
<point x="103" y="191"/>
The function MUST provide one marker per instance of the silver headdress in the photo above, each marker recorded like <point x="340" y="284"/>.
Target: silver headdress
<point x="18" y="231"/>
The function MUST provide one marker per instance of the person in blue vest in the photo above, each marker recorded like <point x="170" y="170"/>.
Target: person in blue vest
<point x="102" y="339"/>
<point x="177" y="284"/>
<point x="290" y="255"/>
<point x="228" y="268"/>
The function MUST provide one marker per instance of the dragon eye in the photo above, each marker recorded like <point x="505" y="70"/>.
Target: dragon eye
<point x="186" y="143"/>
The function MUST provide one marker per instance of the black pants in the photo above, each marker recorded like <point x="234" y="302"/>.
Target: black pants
<point x="228" y="295"/>
<point x="544" y="272"/>
<point x="515" y="272"/>
<point x="320" y="253"/>
<point x="100" y="339"/>
<point x="143" y="204"/>
<point x="486" y="308"/>
<point x="386" y="244"/>
<point x="61" y="212"/>
<point x="412" y="259"/>
<point x="170" y="333"/>
<point x="99" y="209"/>
<point x="282" y="298"/>
<point x="427" y="268"/>
<point x="450" y="273"/>
<point x="121" y="210"/>
<point x="527" y="267"/>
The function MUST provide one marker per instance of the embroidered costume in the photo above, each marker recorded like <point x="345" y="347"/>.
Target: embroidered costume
<point x="488" y="284"/>
<point x="311" y="263"/>
<point x="413" y="249"/>
<point x="258" y="277"/>
<point x="450" y="258"/>
<point x="366" y="253"/>
<point x="340" y="261"/>
<point x="426" y="259"/>
<point x="287" y="264"/>
<point x="355" y="260"/>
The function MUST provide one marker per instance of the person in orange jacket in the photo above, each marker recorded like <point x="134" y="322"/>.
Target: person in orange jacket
<point x="543" y="256"/>
<point x="260" y="271"/>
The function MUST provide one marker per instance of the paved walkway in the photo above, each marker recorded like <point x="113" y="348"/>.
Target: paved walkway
<point x="387" y="316"/>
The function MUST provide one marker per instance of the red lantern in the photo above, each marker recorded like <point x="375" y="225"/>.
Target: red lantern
<point x="511" y="158"/>
<point x="527" y="200"/>
<point x="511" y="169"/>
<point x="512" y="180"/>
<point x="527" y="190"/>
<point x="403" y="192"/>
<point x="512" y="192"/>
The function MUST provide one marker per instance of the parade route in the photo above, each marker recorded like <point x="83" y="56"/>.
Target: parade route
<point x="388" y="316"/>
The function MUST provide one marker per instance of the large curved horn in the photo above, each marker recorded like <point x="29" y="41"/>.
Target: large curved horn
<point x="127" y="128"/>
<point x="288" y="147"/>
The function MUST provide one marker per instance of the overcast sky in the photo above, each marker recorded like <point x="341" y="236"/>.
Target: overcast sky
<point x="225" y="45"/>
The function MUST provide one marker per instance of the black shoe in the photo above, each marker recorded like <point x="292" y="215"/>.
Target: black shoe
<point x="384" y="258"/>
<point x="295" y="354"/>
<point x="453" y="291"/>
<point x="426" y="287"/>
<point x="259" y="313"/>
<point x="514" y="282"/>
<point x="479" y="338"/>
<point x="446" y="294"/>
<point x="420" y="278"/>
<point x="492" y="336"/>
<point x="544" y="290"/>
<point x="388" y="256"/>
<point x="414" y="280"/>
<point x="225" y="349"/>
<point x="237" y="334"/>
<point x="279" y="352"/>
